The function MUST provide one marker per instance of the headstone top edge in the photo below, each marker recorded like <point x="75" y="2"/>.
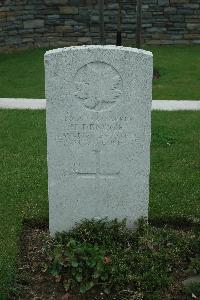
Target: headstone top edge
<point x="53" y="52"/>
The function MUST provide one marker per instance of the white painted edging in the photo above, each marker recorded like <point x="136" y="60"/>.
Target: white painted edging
<point x="171" y="105"/>
<point x="20" y="103"/>
<point x="167" y="105"/>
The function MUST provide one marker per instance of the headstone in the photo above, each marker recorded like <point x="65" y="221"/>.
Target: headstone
<point x="98" y="133"/>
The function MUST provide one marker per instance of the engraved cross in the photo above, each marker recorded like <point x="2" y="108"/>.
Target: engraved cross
<point x="97" y="174"/>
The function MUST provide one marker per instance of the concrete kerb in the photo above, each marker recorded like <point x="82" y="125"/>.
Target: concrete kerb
<point x="165" y="105"/>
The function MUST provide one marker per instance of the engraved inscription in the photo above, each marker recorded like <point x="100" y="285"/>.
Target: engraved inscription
<point x="114" y="131"/>
<point x="98" y="86"/>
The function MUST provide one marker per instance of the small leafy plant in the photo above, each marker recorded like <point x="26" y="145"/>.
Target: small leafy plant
<point x="194" y="267"/>
<point x="80" y="265"/>
<point x="105" y="257"/>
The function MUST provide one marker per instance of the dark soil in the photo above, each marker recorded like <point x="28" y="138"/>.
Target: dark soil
<point x="33" y="284"/>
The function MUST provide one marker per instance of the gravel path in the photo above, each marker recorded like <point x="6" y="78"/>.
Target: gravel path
<point x="169" y="105"/>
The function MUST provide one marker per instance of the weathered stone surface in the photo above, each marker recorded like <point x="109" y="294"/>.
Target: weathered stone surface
<point x="196" y="42"/>
<point x="176" y="36"/>
<point x="69" y="10"/>
<point x="94" y="19"/>
<point x="163" y="2"/>
<point x="177" y="18"/>
<point x="170" y="10"/>
<point x="193" y="19"/>
<point x="12" y="32"/>
<point x="85" y="40"/>
<point x="83" y="17"/>
<point x="160" y="36"/>
<point x="3" y="14"/>
<point x="112" y="6"/>
<point x="178" y="1"/>
<point x="56" y="2"/>
<point x="191" y="5"/>
<point x="179" y="25"/>
<point x="26" y="17"/>
<point x="146" y="25"/>
<point x="98" y="133"/>
<point x="186" y="11"/>
<point x="25" y="40"/>
<point x="13" y="40"/>
<point x="53" y="17"/>
<point x="33" y="24"/>
<point x="192" y="36"/>
<point x="192" y="26"/>
<point x="41" y="30"/>
<point x="64" y="28"/>
<point x="75" y="2"/>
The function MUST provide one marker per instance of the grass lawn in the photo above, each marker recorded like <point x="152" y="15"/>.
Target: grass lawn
<point x="175" y="174"/>
<point x="22" y="74"/>
<point x="23" y="180"/>
<point x="179" y="67"/>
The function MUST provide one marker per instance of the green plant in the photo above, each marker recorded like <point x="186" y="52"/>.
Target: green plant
<point x="107" y="257"/>
<point x="194" y="266"/>
<point x="80" y="266"/>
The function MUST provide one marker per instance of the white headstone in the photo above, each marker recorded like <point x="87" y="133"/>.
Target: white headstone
<point x="98" y="133"/>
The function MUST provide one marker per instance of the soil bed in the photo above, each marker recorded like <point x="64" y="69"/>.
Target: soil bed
<point x="34" y="284"/>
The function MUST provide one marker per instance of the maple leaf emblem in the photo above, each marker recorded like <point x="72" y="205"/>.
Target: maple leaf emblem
<point x="98" y="85"/>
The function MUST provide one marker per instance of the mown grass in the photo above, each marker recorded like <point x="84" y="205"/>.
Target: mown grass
<point x="175" y="165"/>
<point x="174" y="183"/>
<point x="22" y="73"/>
<point x="23" y="181"/>
<point x="179" y="68"/>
